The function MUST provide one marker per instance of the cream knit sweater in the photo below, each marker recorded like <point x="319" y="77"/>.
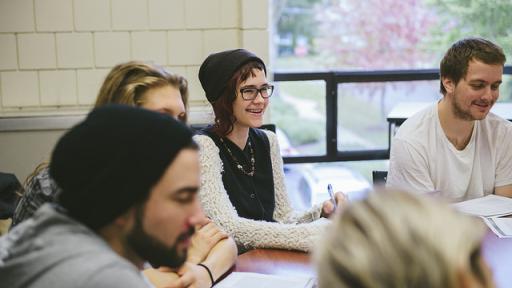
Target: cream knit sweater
<point x="292" y="230"/>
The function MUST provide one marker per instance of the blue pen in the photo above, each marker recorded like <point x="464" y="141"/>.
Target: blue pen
<point x="329" y="189"/>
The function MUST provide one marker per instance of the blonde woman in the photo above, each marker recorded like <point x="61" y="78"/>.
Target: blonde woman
<point x="397" y="239"/>
<point x="133" y="83"/>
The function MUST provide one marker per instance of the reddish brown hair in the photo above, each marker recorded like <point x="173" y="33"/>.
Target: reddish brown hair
<point x="223" y="107"/>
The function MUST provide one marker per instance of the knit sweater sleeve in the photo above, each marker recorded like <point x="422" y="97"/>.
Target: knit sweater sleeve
<point x="247" y="233"/>
<point x="284" y="211"/>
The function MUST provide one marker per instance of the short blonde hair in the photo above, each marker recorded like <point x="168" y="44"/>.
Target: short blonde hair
<point x="126" y="84"/>
<point x="396" y="239"/>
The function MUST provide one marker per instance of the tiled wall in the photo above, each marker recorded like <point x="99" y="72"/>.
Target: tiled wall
<point x="55" y="53"/>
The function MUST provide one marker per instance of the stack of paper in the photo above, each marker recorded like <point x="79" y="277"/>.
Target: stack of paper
<point x="500" y="226"/>
<point x="491" y="208"/>
<point x="488" y="206"/>
<point x="256" y="280"/>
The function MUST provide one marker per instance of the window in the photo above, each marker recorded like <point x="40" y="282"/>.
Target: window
<point x="341" y="65"/>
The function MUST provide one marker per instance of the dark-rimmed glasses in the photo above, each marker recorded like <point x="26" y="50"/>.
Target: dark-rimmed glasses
<point x="250" y="93"/>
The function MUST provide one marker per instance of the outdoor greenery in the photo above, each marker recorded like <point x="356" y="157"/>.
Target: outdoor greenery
<point x="323" y="35"/>
<point x="370" y="35"/>
<point x="301" y="131"/>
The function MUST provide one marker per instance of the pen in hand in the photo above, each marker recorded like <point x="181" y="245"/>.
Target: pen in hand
<point x="331" y="194"/>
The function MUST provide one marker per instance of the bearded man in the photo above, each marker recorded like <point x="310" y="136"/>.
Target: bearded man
<point x="457" y="148"/>
<point x="129" y="179"/>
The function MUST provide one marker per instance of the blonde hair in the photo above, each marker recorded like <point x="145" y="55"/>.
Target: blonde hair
<point x="396" y="239"/>
<point x="127" y="82"/>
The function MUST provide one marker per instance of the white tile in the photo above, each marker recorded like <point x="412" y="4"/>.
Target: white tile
<point x="196" y="92"/>
<point x="92" y="15"/>
<point x="167" y="14"/>
<point x="74" y="50"/>
<point x="219" y="40"/>
<point x="150" y="46"/>
<point x="54" y="15"/>
<point x="20" y="89"/>
<point x="202" y="14"/>
<point x="58" y="87"/>
<point x="180" y="70"/>
<point x="255" y="14"/>
<point x="111" y="48"/>
<point x="8" y="55"/>
<point x="185" y="47"/>
<point x="230" y="13"/>
<point x="37" y="51"/>
<point x="256" y="41"/>
<point x="17" y="16"/>
<point x="129" y="15"/>
<point x="89" y="84"/>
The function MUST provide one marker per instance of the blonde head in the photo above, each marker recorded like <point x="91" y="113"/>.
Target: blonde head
<point x="127" y="83"/>
<point x="396" y="239"/>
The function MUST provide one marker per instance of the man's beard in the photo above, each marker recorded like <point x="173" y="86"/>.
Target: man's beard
<point x="462" y="114"/>
<point x="153" y="250"/>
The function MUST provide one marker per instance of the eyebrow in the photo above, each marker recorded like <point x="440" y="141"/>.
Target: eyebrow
<point x="483" y="81"/>
<point x="186" y="190"/>
<point x="254" y="86"/>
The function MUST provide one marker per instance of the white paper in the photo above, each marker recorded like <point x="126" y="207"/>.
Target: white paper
<point x="488" y="206"/>
<point x="500" y="226"/>
<point x="257" y="280"/>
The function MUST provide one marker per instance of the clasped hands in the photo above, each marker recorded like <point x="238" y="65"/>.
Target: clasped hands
<point x="206" y="236"/>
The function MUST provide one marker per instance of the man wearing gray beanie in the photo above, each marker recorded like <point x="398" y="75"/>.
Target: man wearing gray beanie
<point x="129" y="180"/>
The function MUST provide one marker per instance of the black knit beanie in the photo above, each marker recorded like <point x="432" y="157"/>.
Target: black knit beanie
<point x="111" y="160"/>
<point x="218" y="68"/>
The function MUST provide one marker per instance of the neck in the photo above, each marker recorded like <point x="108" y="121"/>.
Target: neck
<point x="458" y="131"/>
<point x="239" y="136"/>
<point x="112" y="235"/>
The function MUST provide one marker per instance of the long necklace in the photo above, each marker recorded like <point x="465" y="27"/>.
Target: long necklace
<point x="248" y="172"/>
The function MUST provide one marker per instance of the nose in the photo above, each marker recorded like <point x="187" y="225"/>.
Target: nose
<point x="259" y="98"/>
<point x="196" y="213"/>
<point x="490" y="94"/>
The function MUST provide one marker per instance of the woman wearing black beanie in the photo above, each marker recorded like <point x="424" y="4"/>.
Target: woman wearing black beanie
<point x="242" y="186"/>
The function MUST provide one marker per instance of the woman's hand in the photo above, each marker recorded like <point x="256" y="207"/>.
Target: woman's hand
<point x="206" y="237"/>
<point x="328" y="207"/>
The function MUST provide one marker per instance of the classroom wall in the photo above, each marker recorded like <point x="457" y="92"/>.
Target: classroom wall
<point x="54" y="55"/>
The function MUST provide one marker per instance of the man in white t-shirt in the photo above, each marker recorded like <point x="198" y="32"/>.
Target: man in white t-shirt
<point x="456" y="147"/>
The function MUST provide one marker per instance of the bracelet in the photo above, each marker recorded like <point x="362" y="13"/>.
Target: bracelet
<point x="209" y="272"/>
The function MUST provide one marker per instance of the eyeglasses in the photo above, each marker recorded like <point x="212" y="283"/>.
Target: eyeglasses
<point x="251" y="93"/>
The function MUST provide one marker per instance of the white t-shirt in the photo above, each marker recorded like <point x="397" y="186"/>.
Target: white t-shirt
<point x="423" y="160"/>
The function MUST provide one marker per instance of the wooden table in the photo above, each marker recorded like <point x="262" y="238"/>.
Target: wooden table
<point x="497" y="252"/>
<point x="276" y="262"/>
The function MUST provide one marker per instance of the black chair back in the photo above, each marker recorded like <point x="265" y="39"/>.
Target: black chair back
<point x="379" y="177"/>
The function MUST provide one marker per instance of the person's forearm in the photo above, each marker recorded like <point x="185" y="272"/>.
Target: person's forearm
<point x="161" y="278"/>
<point x="221" y="257"/>
<point x="504" y="191"/>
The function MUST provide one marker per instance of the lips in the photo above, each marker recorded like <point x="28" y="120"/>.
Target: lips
<point x="483" y="105"/>
<point x="255" y="111"/>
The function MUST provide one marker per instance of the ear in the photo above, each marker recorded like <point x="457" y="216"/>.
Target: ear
<point x="448" y="84"/>
<point x="464" y="278"/>
<point x="126" y="219"/>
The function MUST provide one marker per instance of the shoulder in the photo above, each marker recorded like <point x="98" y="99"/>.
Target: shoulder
<point x="205" y="142"/>
<point x="419" y="124"/>
<point x="271" y="136"/>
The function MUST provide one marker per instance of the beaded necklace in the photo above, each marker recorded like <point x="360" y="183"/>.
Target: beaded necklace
<point x="248" y="172"/>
